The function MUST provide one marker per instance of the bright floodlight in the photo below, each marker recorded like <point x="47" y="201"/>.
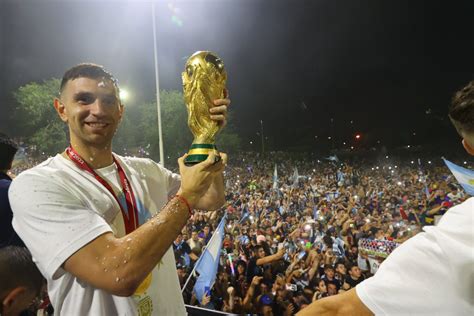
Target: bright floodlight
<point x="123" y="95"/>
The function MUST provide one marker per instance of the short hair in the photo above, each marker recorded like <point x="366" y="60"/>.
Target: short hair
<point x="18" y="269"/>
<point x="352" y="265"/>
<point x="8" y="149"/>
<point x="328" y="267"/>
<point x="87" y="70"/>
<point x="461" y="110"/>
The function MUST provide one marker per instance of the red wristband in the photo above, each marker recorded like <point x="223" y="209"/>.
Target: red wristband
<point x="183" y="199"/>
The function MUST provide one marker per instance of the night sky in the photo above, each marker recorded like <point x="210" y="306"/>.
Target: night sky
<point x="390" y="67"/>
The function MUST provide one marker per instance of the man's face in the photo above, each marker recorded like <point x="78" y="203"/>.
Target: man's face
<point x="322" y="286"/>
<point x="354" y="250"/>
<point x="194" y="236"/>
<point x="329" y="273"/>
<point x="206" y="230"/>
<point x="355" y="272"/>
<point x="92" y="109"/>
<point x="332" y="289"/>
<point x="341" y="269"/>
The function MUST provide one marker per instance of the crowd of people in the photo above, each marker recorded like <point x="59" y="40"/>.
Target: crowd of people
<point x="300" y="229"/>
<point x="107" y="233"/>
<point x="316" y="228"/>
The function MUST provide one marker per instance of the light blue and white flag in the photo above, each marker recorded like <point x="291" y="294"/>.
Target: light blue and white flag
<point x="209" y="261"/>
<point x="340" y="176"/>
<point x="427" y="192"/>
<point x="245" y="215"/>
<point x="333" y="158"/>
<point x="275" y="178"/>
<point x="295" y="177"/>
<point x="464" y="176"/>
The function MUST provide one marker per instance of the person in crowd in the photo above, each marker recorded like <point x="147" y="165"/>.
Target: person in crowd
<point x="194" y="242"/>
<point x="21" y="282"/>
<point x="259" y="260"/>
<point x="354" y="277"/>
<point x="442" y="275"/>
<point x="100" y="226"/>
<point x="8" y="148"/>
<point x="182" y="251"/>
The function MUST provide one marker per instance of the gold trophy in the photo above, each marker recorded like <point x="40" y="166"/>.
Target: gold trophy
<point x="204" y="81"/>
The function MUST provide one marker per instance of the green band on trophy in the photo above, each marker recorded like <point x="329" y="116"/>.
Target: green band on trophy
<point x="199" y="152"/>
<point x="194" y="159"/>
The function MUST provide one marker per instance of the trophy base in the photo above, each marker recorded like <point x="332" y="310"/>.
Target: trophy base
<point x="199" y="153"/>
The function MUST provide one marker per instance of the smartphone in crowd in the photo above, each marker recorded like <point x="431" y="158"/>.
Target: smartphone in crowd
<point x="291" y="287"/>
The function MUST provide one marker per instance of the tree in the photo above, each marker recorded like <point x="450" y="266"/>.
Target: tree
<point x="35" y="114"/>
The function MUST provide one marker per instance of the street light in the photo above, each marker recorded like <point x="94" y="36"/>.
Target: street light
<point x="123" y="95"/>
<point x="157" y="81"/>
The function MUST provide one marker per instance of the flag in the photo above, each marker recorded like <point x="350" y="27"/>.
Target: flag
<point x="295" y="178"/>
<point x="464" y="176"/>
<point x="245" y="215"/>
<point x="209" y="261"/>
<point x="275" y="178"/>
<point x="333" y="158"/>
<point x="340" y="176"/>
<point x="427" y="192"/>
<point x="315" y="213"/>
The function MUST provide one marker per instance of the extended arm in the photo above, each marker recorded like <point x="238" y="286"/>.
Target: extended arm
<point x="271" y="258"/>
<point x="119" y="265"/>
<point x="347" y="303"/>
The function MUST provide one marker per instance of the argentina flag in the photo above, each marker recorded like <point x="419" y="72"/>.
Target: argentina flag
<point x="464" y="176"/>
<point x="209" y="261"/>
<point x="275" y="178"/>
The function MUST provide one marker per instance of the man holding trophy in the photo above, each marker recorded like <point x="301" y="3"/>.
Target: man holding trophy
<point x="99" y="225"/>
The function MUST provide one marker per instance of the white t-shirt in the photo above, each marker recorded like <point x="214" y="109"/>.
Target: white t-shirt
<point x="431" y="273"/>
<point x="58" y="208"/>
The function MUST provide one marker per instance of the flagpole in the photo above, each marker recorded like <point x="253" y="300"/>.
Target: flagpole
<point x="200" y="257"/>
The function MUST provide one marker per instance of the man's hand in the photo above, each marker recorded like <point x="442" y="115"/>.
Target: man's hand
<point x="219" y="110"/>
<point x="280" y="253"/>
<point x="205" y="299"/>
<point x="195" y="180"/>
<point x="256" y="280"/>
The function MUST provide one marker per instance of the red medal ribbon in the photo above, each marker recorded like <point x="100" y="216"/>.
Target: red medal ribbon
<point x="130" y="220"/>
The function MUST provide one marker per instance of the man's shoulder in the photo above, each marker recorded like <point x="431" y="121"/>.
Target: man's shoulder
<point x="46" y="168"/>
<point x="141" y="164"/>
<point x="458" y="217"/>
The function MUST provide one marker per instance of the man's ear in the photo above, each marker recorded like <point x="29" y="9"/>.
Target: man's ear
<point x="61" y="109"/>
<point x="121" y="110"/>
<point x="8" y="303"/>
<point x="468" y="147"/>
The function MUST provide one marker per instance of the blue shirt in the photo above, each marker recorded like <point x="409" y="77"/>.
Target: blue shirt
<point x="8" y="237"/>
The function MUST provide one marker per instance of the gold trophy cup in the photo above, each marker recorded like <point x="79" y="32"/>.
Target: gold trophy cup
<point x="204" y="80"/>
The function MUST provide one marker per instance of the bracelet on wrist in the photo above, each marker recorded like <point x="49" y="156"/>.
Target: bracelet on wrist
<point x="185" y="201"/>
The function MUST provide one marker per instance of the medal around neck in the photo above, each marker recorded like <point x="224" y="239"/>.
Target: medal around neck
<point x="204" y="80"/>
